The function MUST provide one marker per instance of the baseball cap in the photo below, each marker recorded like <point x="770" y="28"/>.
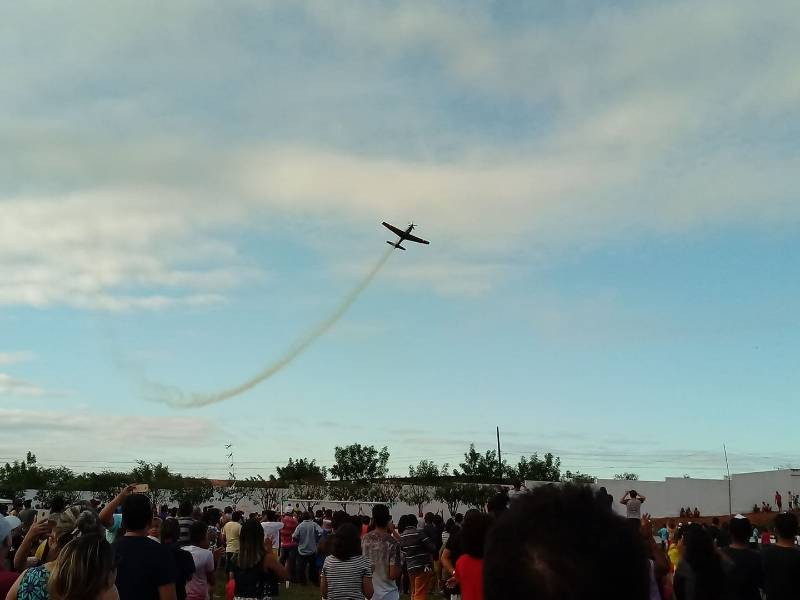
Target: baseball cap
<point x="7" y="525"/>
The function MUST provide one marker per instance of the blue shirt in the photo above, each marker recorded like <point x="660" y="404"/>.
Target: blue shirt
<point x="307" y="534"/>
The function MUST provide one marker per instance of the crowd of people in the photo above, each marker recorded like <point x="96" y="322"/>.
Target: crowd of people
<point x="554" y="542"/>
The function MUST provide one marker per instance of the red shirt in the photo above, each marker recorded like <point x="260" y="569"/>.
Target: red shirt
<point x="289" y="525"/>
<point x="469" y="573"/>
<point x="7" y="579"/>
<point x="766" y="539"/>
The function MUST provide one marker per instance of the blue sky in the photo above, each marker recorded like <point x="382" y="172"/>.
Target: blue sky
<point x="609" y="188"/>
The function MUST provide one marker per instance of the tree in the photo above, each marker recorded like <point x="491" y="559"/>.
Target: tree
<point x="450" y="494"/>
<point x="312" y="492"/>
<point x="21" y="475"/>
<point x="265" y="493"/>
<point x="537" y="469"/>
<point x="416" y="494"/>
<point x="104" y="485"/>
<point x="385" y="492"/>
<point x="476" y="495"/>
<point x="197" y="491"/>
<point x="346" y="492"/>
<point x="302" y="469"/>
<point x="578" y="477"/>
<point x="157" y="476"/>
<point x="481" y="467"/>
<point x="57" y="481"/>
<point x="360" y="463"/>
<point x="626" y="476"/>
<point x="428" y="472"/>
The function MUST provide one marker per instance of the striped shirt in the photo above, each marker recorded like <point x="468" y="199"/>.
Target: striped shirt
<point x="345" y="577"/>
<point x="186" y="524"/>
<point x="417" y="548"/>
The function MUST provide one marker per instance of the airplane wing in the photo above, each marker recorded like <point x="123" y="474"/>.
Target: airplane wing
<point x="394" y="229"/>
<point x="413" y="238"/>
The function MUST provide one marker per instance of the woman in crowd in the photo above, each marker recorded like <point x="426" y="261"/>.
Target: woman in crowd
<point x="84" y="570"/>
<point x="73" y="521"/>
<point x="346" y="574"/>
<point x="256" y="571"/>
<point x="469" y="566"/>
<point x="699" y="575"/>
<point x="184" y="563"/>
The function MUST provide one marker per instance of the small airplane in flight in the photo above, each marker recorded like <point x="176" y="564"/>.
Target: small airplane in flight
<point x="404" y="235"/>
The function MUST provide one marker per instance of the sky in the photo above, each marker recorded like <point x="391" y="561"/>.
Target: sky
<point x="610" y="191"/>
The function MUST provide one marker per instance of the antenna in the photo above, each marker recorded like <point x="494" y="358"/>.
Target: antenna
<point x="727" y="467"/>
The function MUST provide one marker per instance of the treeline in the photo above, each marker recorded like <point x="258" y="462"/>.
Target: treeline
<point x="359" y="472"/>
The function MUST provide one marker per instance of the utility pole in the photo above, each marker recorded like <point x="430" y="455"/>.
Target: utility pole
<point x="728" y="468"/>
<point x="499" y="454"/>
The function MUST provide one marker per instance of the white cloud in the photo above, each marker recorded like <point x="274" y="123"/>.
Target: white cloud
<point x="11" y="358"/>
<point x="121" y="192"/>
<point x="9" y="386"/>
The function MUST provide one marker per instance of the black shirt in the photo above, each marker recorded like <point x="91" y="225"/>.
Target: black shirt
<point x="781" y="572"/>
<point x="745" y="573"/>
<point x="143" y="567"/>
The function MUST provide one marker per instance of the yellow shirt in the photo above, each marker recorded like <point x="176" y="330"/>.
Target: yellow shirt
<point x="674" y="554"/>
<point x="231" y="531"/>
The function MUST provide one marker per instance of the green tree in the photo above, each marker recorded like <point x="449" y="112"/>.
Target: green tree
<point x="266" y="493"/>
<point x="476" y="495"/>
<point x="626" y="476"/>
<point x="157" y="476"/>
<point x="481" y="467"/>
<point x="534" y="468"/>
<point x="302" y="469"/>
<point x="385" y="492"/>
<point x="360" y="463"/>
<point x="451" y="494"/>
<point x="104" y="485"/>
<point x="416" y="494"/>
<point x="312" y="492"/>
<point x="428" y="472"/>
<point x="197" y="490"/>
<point x="21" y="475"/>
<point x="578" y="477"/>
<point x="57" y="481"/>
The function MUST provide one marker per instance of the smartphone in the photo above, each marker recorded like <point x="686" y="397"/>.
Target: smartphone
<point x="141" y="488"/>
<point x="42" y="513"/>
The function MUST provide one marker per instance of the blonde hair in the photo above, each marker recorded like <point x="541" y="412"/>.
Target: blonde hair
<point x="83" y="570"/>
<point x="76" y="520"/>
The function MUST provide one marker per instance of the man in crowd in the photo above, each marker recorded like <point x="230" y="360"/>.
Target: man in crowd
<point x="272" y="528"/>
<point x="782" y="561"/>
<point x="7" y="577"/>
<point x="288" y="544"/>
<point x="745" y="570"/>
<point x="539" y="548"/>
<point x="419" y="550"/>
<point x="185" y="521"/>
<point x="145" y="569"/>
<point x="633" y="507"/>
<point x="778" y="500"/>
<point x="307" y="535"/>
<point x="230" y="536"/>
<point x="383" y="552"/>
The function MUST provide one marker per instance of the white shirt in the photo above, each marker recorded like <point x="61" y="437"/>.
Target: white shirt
<point x="271" y="531"/>
<point x="634" y="508"/>
<point x="197" y="586"/>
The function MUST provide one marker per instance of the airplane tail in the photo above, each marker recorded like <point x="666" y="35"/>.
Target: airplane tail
<point x="396" y="245"/>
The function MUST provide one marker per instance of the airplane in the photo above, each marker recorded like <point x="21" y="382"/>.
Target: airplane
<point x="404" y="235"/>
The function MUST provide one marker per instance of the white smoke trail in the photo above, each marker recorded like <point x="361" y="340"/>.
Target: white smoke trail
<point x="176" y="397"/>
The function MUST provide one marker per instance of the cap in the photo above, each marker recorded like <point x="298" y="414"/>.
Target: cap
<point x="7" y="525"/>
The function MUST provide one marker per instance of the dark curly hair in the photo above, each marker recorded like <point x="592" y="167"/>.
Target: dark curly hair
<point x="562" y="542"/>
<point x="473" y="532"/>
